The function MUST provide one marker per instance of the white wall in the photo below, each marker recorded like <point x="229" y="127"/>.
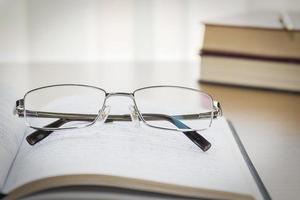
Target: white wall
<point x="113" y="30"/>
<point x="13" y="31"/>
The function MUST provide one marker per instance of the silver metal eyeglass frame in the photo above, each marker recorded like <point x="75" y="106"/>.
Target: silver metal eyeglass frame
<point x="43" y="132"/>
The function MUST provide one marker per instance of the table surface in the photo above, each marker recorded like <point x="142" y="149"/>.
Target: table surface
<point x="266" y="121"/>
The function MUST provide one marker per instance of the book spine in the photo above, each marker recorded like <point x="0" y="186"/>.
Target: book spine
<point x="216" y="53"/>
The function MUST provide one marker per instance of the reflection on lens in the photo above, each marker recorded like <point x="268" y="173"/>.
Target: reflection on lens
<point x="79" y="105"/>
<point x="192" y="107"/>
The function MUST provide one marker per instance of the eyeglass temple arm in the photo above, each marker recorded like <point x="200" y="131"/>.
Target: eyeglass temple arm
<point x="195" y="137"/>
<point x="39" y="135"/>
<point x="19" y="110"/>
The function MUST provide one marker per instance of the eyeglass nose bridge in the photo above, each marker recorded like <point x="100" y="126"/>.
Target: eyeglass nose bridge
<point x="134" y="113"/>
<point x="122" y="94"/>
<point x="126" y="94"/>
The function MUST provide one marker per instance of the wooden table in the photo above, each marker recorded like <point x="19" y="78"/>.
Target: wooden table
<point x="267" y="122"/>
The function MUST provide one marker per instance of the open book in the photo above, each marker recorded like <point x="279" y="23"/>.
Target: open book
<point x="121" y="161"/>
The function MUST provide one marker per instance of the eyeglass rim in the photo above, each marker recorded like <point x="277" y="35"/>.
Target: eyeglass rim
<point x="59" y="85"/>
<point x="173" y="86"/>
<point x="107" y="95"/>
<point x="136" y="90"/>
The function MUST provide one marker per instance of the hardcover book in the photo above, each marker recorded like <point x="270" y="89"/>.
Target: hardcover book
<point x="260" y="49"/>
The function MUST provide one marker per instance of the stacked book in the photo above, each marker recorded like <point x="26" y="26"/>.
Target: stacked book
<point x="256" y="50"/>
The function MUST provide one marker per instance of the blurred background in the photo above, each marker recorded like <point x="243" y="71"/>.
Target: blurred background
<point x="117" y="30"/>
<point x="121" y="45"/>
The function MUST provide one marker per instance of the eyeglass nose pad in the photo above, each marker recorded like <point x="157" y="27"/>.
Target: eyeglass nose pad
<point x="103" y="114"/>
<point x="134" y="116"/>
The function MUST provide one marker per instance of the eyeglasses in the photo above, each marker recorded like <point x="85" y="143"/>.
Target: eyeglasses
<point x="69" y="106"/>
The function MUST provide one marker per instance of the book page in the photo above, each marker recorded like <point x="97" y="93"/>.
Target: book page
<point x="120" y="149"/>
<point x="12" y="131"/>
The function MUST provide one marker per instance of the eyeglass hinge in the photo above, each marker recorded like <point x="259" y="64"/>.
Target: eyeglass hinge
<point x="218" y="112"/>
<point x="19" y="109"/>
